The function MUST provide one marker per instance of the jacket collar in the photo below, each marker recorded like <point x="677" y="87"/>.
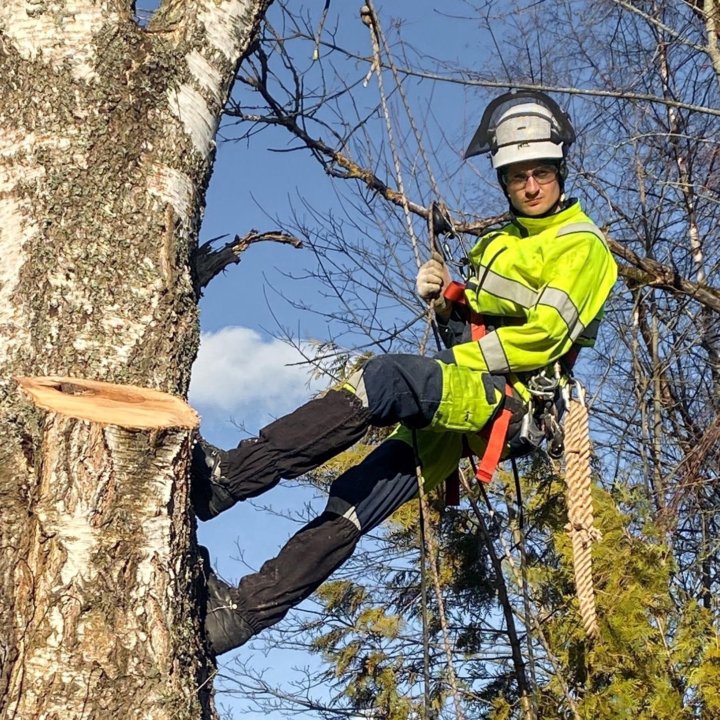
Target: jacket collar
<point x="532" y="226"/>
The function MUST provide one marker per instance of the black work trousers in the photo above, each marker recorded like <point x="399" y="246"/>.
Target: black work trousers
<point x="395" y="388"/>
<point x="360" y="499"/>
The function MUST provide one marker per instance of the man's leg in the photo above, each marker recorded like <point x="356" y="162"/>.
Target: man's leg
<point x="416" y="391"/>
<point x="389" y="389"/>
<point x="287" y="448"/>
<point x="359" y="500"/>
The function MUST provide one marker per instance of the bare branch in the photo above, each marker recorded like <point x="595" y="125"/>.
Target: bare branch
<point x="468" y="78"/>
<point x="338" y="163"/>
<point x="646" y="271"/>
<point x="641" y="270"/>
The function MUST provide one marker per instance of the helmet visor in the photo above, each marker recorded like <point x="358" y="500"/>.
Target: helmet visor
<point x="523" y="125"/>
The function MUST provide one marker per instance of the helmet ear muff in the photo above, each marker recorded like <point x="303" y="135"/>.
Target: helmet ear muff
<point x="562" y="173"/>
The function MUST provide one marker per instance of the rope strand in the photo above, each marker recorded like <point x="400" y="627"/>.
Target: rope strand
<point x="428" y="538"/>
<point x="367" y="13"/>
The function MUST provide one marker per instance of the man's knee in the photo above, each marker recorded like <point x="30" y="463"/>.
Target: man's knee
<point x="399" y="388"/>
<point x="470" y="399"/>
<point x="371" y="491"/>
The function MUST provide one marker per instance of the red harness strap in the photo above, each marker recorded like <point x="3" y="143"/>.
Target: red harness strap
<point x="495" y="435"/>
<point x="495" y="432"/>
<point x="455" y="291"/>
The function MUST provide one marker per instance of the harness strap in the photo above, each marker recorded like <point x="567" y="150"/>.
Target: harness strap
<point x="569" y="359"/>
<point x="495" y="434"/>
<point x="452" y="488"/>
<point x="455" y="291"/>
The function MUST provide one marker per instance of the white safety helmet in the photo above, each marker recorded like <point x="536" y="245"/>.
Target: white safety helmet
<point x="522" y="125"/>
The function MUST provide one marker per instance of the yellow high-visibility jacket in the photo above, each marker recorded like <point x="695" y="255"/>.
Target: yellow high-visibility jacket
<point x="543" y="282"/>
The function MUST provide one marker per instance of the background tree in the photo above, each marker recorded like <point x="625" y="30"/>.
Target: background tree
<point x="646" y="164"/>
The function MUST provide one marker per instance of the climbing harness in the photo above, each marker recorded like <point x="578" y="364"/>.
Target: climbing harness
<point x="541" y="420"/>
<point x="551" y="396"/>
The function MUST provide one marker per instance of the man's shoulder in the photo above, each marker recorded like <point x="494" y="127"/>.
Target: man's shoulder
<point x="581" y="226"/>
<point x="578" y="222"/>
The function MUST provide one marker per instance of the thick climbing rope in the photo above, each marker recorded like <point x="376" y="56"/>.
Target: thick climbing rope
<point x="580" y="511"/>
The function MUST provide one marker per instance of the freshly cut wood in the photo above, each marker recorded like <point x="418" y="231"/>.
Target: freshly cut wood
<point x="127" y="406"/>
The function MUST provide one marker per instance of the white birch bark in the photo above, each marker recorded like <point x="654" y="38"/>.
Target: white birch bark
<point x="106" y="147"/>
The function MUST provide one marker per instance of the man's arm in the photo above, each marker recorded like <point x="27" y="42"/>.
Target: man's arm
<point x="577" y="276"/>
<point x="454" y="329"/>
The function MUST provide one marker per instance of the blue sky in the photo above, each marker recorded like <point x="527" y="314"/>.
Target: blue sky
<point x="244" y="377"/>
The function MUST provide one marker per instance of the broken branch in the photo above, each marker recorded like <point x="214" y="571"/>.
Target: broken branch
<point x="209" y="263"/>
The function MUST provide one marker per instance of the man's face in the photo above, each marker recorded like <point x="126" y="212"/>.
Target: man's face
<point x="532" y="186"/>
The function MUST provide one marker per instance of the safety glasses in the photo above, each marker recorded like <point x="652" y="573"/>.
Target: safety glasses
<point x="542" y="175"/>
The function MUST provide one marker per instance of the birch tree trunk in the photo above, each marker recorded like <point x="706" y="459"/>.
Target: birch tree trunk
<point x="106" y="147"/>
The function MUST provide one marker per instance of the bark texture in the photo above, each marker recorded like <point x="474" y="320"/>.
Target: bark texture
<point x="106" y="147"/>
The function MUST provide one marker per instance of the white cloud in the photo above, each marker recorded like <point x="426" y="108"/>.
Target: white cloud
<point x="238" y="373"/>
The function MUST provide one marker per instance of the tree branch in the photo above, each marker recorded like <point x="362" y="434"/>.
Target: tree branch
<point x="209" y="263"/>
<point x="645" y="271"/>
<point x="471" y="78"/>
<point x="337" y="163"/>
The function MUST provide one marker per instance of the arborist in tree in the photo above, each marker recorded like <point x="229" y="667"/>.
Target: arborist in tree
<point x="534" y="295"/>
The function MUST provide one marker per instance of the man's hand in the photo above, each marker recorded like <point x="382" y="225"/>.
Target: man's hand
<point x="432" y="279"/>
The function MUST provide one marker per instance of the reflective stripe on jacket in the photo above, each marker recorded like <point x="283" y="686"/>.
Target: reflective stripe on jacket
<point x="549" y="279"/>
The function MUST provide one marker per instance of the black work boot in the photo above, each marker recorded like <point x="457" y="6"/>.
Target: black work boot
<point x="208" y="493"/>
<point x="225" y="626"/>
<point x="287" y="448"/>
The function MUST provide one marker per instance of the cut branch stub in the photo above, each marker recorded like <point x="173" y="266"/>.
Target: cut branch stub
<point x="209" y="262"/>
<point x="127" y="406"/>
